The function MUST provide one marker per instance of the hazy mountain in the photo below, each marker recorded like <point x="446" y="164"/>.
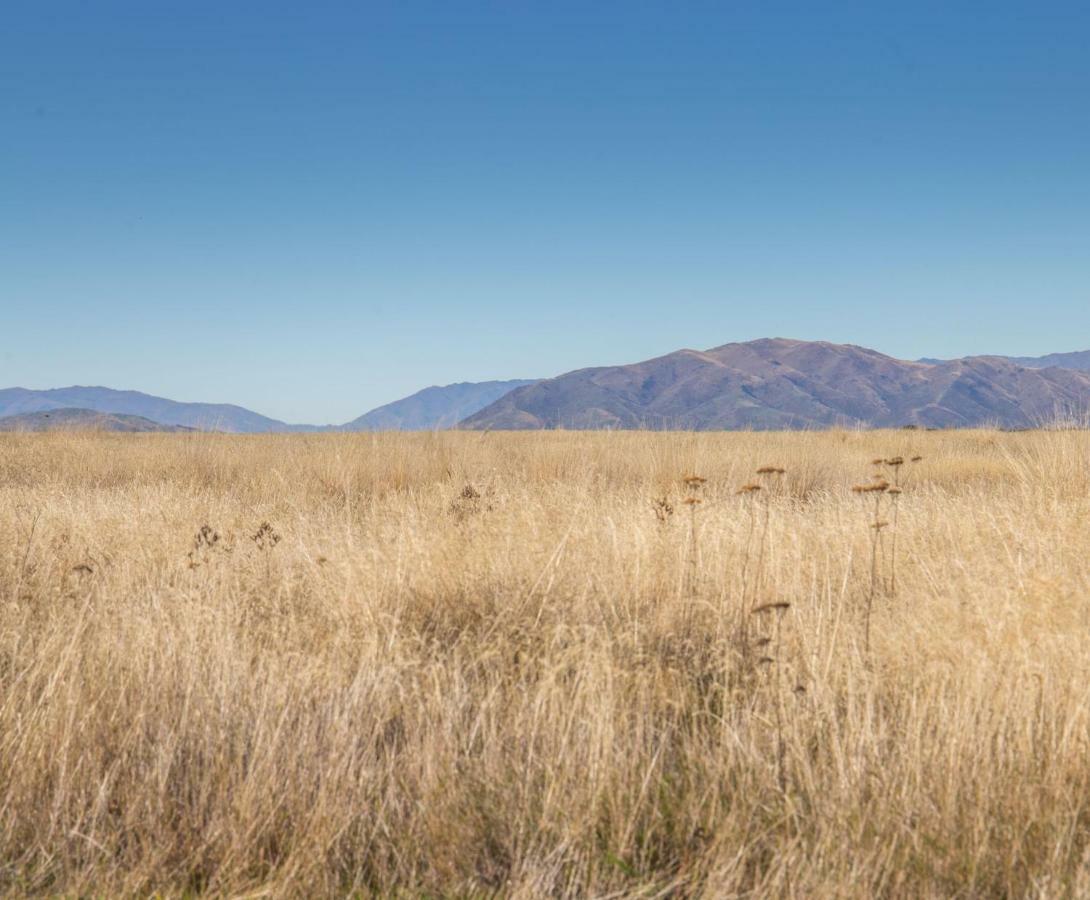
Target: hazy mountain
<point x="82" y="420"/>
<point x="779" y="383"/>
<point x="1080" y="359"/>
<point x="206" y="416"/>
<point x="434" y="407"/>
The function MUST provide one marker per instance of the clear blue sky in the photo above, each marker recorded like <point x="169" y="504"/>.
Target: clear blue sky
<point x="313" y="208"/>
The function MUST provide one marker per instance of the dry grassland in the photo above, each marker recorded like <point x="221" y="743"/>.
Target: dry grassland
<point x="521" y="664"/>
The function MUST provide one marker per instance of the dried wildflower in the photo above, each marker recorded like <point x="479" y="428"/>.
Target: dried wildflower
<point x="206" y="538"/>
<point x="770" y="470"/>
<point x="467" y="503"/>
<point x="749" y="488"/>
<point x="694" y="483"/>
<point x="265" y="537"/>
<point x="663" y="508"/>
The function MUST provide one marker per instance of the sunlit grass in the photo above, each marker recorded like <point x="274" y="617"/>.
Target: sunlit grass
<point x="522" y="663"/>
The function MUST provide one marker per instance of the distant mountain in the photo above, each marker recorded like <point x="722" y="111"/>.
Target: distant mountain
<point x="434" y="407"/>
<point x="780" y="383"/>
<point x="1080" y="359"/>
<point x="205" y="416"/>
<point x="765" y="384"/>
<point x="82" y="420"/>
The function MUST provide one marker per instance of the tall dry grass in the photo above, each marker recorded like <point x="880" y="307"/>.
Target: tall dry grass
<point x="518" y="664"/>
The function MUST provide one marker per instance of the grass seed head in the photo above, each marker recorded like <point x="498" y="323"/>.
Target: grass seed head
<point x="877" y="487"/>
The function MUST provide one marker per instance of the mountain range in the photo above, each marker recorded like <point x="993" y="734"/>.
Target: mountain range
<point x="778" y="383"/>
<point x="763" y="384"/>
<point x="431" y="408"/>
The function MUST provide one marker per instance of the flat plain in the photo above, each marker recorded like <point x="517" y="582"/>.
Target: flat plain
<point x="523" y="664"/>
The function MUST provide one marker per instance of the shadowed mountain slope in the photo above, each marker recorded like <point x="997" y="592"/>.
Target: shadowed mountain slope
<point x="434" y="407"/>
<point x="779" y="383"/>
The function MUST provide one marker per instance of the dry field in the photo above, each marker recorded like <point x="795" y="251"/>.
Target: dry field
<point x="522" y="665"/>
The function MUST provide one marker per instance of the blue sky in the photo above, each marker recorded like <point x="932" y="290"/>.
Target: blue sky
<point x="314" y="208"/>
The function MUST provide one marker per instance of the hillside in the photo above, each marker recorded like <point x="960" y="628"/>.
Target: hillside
<point x="1079" y="359"/>
<point x="434" y="407"/>
<point x="204" y="416"/>
<point x="780" y="383"/>
<point x="82" y="420"/>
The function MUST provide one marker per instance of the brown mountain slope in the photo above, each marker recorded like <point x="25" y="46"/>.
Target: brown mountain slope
<point x="780" y="383"/>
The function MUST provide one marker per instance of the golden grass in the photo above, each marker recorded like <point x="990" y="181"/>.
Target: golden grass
<point x="520" y="664"/>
